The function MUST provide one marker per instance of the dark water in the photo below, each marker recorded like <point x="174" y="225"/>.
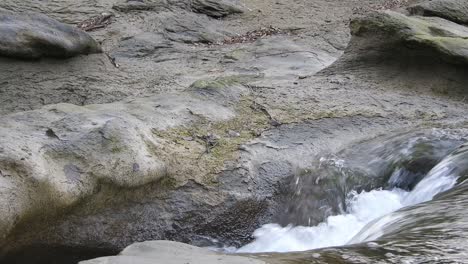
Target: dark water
<point x="432" y="231"/>
<point x="46" y="254"/>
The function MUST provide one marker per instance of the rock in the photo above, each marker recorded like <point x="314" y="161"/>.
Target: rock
<point x="165" y="252"/>
<point x="453" y="10"/>
<point x="142" y="45"/>
<point x="232" y="133"/>
<point x="215" y="8"/>
<point x="191" y="28"/>
<point x="34" y="36"/>
<point x="280" y="57"/>
<point x="64" y="152"/>
<point x="444" y="39"/>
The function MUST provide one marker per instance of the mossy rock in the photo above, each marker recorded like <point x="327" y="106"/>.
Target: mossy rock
<point x="446" y="39"/>
<point x="203" y="161"/>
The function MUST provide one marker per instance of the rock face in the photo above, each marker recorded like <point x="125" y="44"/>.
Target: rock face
<point x="175" y="134"/>
<point x="34" y="36"/>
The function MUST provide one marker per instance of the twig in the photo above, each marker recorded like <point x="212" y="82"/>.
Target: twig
<point x="112" y="60"/>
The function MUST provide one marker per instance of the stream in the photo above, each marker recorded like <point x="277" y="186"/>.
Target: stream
<point x="414" y="183"/>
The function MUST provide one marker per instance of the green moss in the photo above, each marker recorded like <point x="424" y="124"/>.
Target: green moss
<point x="202" y="161"/>
<point x="167" y="183"/>
<point x="114" y="144"/>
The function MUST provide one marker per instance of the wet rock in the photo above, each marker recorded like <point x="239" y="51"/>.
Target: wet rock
<point x="385" y="162"/>
<point x="453" y="10"/>
<point x="34" y="36"/>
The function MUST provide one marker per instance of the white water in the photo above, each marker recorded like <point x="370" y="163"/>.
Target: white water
<point x="363" y="208"/>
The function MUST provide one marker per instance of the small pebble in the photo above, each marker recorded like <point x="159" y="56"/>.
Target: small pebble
<point x="232" y="133"/>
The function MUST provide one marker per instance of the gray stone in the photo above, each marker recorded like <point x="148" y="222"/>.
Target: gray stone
<point x="34" y="36"/>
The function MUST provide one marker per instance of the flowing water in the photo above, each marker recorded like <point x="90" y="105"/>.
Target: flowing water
<point x="415" y="196"/>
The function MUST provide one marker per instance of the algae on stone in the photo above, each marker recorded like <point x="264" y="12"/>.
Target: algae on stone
<point x="203" y="161"/>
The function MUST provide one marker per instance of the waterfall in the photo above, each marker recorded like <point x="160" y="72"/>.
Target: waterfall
<point x="366" y="207"/>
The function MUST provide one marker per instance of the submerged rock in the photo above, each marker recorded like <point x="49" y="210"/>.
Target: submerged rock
<point x="33" y="36"/>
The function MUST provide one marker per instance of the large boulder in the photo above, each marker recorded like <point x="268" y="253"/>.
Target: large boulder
<point x="61" y="154"/>
<point x="432" y="36"/>
<point x="33" y="36"/>
<point x="454" y="10"/>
